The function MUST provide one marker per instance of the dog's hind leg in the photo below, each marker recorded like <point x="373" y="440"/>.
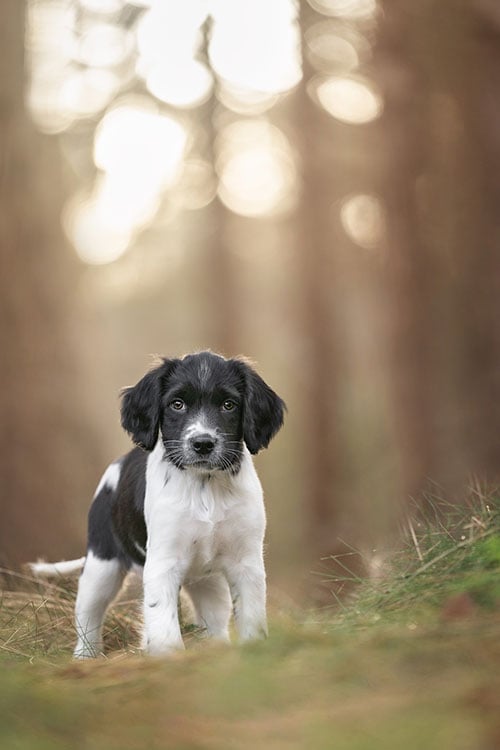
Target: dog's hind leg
<point x="99" y="583"/>
<point x="212" y="605"/>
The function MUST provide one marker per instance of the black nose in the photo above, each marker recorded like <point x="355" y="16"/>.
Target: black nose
<point x="203" y="444"/>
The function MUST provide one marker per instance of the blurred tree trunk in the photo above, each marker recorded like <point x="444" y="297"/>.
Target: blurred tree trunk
<point x="439" y="65"/>
<point x="320" y="362"/>
<point x="46" y="462"/>
<point x="476" y="85"/>
<point x="409" y="291"/>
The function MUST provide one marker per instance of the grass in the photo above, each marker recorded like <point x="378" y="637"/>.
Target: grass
<point x="449" y="559"/>
<point x="408" y="659"/>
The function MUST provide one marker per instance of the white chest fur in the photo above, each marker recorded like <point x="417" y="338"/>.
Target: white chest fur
<point x="202" y="523"/>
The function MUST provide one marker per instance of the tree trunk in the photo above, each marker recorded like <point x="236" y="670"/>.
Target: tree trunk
<point x="442" y="195"/>
<point x="47" y="462"/>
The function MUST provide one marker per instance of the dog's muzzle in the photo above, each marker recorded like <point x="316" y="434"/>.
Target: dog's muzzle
<point x="202" y="450"/>
<point x="203" y="445"/>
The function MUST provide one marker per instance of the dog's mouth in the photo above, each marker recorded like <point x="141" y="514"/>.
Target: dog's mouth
<point x="215" y="462"/>
<point x="201" y="463"/>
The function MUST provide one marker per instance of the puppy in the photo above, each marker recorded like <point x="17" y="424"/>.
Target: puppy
<point x="185" y="505"/>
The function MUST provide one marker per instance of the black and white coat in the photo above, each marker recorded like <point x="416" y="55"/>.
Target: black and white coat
<point x="185" y="505"/>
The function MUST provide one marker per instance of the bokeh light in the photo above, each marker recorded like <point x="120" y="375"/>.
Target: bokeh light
<point x="353" y="100"/>
<point x="187" y="85"/>
<point x="94" y="239"/>
<point x="86" y="92"/>
<point x="363" y="219"/>
<point x="140" y="152"/>
<point x="348" y="9"/>
<point x="104" y="44"/>
<point x="169" y="39"/>
<point x="170" y="31"/>
<point x="329" y="51"/>
<point x="255" y="46"/>
<point x="243" y="101"/>
<point x="335" y="47"/>
<point x="102" y="6"/>
<point x="135" y="142"/>
<point x="44" y="104"/>
<point x="256" y="167"/>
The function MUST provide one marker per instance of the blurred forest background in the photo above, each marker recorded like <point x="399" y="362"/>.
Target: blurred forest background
<point x="315" y="185"/>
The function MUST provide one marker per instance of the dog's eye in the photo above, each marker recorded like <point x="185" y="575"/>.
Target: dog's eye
<point x="228" y="405"/>
<point x="177" y="404"/>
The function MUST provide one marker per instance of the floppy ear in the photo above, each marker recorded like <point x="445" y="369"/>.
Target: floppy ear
<point x="263" y="410"/>
<point x="140" y="409"/>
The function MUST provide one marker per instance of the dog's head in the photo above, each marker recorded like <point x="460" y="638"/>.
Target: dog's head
<point x="202" y="407"/>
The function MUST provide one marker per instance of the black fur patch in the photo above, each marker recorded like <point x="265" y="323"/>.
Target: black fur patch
<point x="116" y="517"/>
<point x="263" y="410"/>
<point x="140" y="410"/>
<point x="102" y="540"/>
<point x="128" y="507"/>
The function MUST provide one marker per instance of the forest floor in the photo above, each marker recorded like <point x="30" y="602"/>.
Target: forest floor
<point x="411" y="660"/>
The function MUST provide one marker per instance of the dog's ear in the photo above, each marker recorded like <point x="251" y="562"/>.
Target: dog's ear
<point x="263" y="410"/>
<point x="141" y="404"/>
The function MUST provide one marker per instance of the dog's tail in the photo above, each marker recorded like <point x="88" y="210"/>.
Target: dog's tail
<point x="62" y="568"/>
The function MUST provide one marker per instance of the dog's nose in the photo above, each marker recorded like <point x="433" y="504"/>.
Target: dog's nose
<point x="203" y="444"/>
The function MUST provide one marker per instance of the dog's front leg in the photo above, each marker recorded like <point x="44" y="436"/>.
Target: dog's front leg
<point x="162" y="581"/>
<point x="247" y="582"/>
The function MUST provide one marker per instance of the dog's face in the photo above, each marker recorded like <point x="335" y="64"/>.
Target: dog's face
<point x="203" y="407"/>
<point x="201" y="414"/>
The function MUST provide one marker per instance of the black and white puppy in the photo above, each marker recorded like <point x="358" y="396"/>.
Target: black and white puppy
<point x="186" y="505"/>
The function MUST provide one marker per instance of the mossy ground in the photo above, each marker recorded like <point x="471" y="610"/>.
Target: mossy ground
<point x="411" y="661"/>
